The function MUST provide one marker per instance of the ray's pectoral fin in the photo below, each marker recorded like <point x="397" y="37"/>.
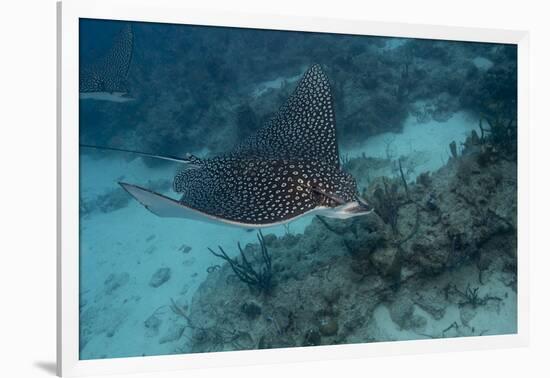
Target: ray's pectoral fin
<point x="161" y="205"/>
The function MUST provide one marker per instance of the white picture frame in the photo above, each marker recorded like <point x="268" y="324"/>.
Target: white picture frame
<point x="166" y="11"/>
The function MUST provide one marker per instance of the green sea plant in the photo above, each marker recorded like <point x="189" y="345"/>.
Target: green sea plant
<point x="403" y="86"/>
<point x="387" y="200"/>
<point x="260" y="277"/>
<point x="500" y="133"/>
<point x="470" y="296"/>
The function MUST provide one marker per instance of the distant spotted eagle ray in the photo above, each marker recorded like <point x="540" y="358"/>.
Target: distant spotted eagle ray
<point x="288" y="169"/>
<point x="105" y="79"/>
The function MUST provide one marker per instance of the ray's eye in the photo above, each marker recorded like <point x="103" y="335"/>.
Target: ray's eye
<point x="318" y="198"/>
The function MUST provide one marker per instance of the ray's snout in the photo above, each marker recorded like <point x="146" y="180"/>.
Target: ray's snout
<point x="355" y="208"/>
<point x="358" y="207"/>
<point x="364" y="205"/>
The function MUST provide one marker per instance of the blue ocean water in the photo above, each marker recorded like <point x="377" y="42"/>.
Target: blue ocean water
<point x="426" y="128"/>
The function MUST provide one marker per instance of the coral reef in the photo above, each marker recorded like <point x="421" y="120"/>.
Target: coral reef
<point x="209" y="90"/>
<point x="434" y="253"/>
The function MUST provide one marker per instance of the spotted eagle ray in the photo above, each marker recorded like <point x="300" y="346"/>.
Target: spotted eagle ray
<point x="288" y="169"/>
<point x="105" y="78"/>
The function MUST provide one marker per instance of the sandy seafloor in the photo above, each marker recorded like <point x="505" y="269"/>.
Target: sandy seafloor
<point x="122" y="249"/>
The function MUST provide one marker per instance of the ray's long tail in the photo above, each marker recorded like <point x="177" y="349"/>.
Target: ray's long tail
<point x="187" y="160"/>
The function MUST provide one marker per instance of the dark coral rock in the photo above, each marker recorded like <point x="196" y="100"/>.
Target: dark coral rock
<point x="161" y="276"/>
<point x="283" y="319"/>
<point x="386" y="260"/>
<point x="173" y="334"/>
<point x="251" y="309"/>
<point x="312" y="337"/>
<point x="332" y="295"/>
<point x="269" y="341"/>
<point x="152" y="324"/>
<point x="433" y="302"/>
<point x="354" y="323"/>
<point x="328" y="326"/>
<point x="402" y="313"/>
<point x="114" y="281"/>
<point x="424" y="179"/>
<point x="373" y="240"/>
<point x="184" y="248"/>
<point x="361" y="267"/>
<point x="430" y="255"/>
<point x="431" y="202"/>
<point x="270" y="239"/>
<point x="290" y="240"/>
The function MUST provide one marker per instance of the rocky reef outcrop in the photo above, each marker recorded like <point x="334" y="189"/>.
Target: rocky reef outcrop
<point x="437" y="258"/>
